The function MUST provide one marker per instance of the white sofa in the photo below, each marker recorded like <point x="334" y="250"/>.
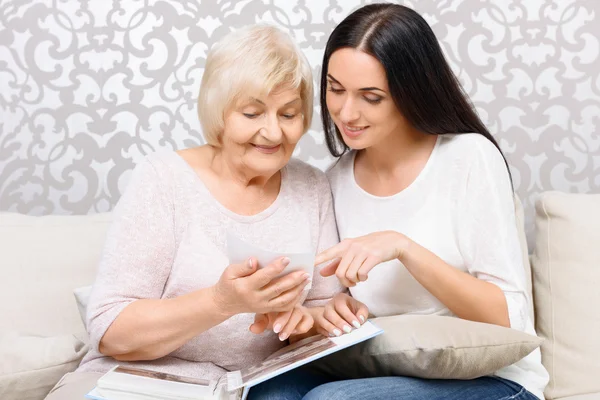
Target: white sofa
<point x="43" y="259"/>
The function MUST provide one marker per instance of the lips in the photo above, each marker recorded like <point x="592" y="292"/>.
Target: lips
<point x="353" y="131"/>
<point x="267" y="149"/>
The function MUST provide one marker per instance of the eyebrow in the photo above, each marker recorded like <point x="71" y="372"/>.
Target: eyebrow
<point x="365" y="89"/>
<point x="286" y="104"/>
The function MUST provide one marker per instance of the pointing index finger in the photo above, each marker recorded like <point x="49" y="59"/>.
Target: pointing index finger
<point x="329" y="254"/>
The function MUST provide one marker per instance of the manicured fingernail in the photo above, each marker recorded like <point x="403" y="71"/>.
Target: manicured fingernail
<point x="331" y="334"/>
<point x="250" y="263"/>
<point x="362" y="319"/>
<point x="285" y="261"/>
<point x="356" y="324"/>
<point x="306" y="276"/>
<point x="282" y="337"/>
<point x="337" y="332"/>
<point x="347" y="328"/>
<point x="277" y="328"/>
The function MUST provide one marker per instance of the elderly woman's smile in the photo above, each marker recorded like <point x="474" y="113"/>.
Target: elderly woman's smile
<point x="267" y="149"/>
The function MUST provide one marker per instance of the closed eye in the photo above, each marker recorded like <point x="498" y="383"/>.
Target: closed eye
<point x="334" y="89"/>
<point x="376" y="100"/>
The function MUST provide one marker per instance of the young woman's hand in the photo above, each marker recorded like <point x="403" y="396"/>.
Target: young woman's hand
<point x="294" y="322"/>
<point x="244" y="289"/>
<point x="340" y="314"/>
<point x="353" y="259"/>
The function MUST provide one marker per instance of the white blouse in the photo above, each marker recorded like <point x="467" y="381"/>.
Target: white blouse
<point x="460" y="207"/>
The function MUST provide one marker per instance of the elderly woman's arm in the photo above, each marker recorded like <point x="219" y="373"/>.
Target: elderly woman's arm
<point x="163" y="325"/>
<point x="126" y="317"/>
<point x="148" y="329"/>
<point x="134" y="268"/>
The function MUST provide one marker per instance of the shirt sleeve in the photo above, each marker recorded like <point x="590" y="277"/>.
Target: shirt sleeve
<point x="488" y="237"/>
<point x="323" y="289"/>
<point x="138" y="254"/>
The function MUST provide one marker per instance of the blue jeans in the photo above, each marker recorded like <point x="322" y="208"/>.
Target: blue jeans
<point x="303" y="384"/>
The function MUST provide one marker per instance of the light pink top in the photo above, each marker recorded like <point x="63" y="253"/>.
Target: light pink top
<point x="168" y="238"/>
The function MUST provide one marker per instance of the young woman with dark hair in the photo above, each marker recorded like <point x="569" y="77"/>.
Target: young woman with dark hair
<point x="423" y="200"/>
<point x="424" y="205"/>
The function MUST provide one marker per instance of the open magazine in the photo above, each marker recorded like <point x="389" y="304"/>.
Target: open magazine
<point x="123" y="383"/>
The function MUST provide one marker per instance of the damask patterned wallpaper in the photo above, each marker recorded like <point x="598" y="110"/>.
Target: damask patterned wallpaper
<point x="87" y="88"/>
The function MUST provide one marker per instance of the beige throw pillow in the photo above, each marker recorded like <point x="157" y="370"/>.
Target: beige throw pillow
<point x="566" y="279"/>
<point x="435" y="347"/>
<point x="30" y="366"/>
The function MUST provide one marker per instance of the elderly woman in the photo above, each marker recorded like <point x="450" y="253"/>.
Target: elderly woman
<point x="165" y="297"/>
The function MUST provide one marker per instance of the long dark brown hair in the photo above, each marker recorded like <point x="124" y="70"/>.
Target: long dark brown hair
<point x="421" y="83"/>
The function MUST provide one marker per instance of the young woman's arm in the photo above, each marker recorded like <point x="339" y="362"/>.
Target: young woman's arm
<point x="488" y="238"/>
<point x="465" y="295"/>
<point x="493" y="290"/>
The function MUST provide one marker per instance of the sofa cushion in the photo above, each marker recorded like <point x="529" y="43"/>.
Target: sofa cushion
<point x="429" y="346"/>
<point x="520" y="220"/>
<point x="566" y="281"/>
<point x="30" y="366"/>
<point x="42" y="260"/>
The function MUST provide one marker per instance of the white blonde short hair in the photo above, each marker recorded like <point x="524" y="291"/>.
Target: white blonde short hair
<point x="252" y="61"/>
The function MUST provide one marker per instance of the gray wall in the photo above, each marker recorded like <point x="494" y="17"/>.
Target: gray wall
<point x="87" y="88"/>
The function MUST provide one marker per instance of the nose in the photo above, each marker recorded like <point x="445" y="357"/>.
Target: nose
<point x="349" y="111"/>
<point x="272" y="129"/>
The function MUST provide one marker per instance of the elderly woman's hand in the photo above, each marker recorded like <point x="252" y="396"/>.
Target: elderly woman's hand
<point x="293" y="322"/>
<point x="340" y="314"/>
<point x="244" y="289"/>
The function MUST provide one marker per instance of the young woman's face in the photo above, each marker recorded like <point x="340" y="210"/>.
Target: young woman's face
<point x="359" y="100"/>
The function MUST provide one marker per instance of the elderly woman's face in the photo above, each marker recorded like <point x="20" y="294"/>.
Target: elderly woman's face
<point x="263" y="132"/>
